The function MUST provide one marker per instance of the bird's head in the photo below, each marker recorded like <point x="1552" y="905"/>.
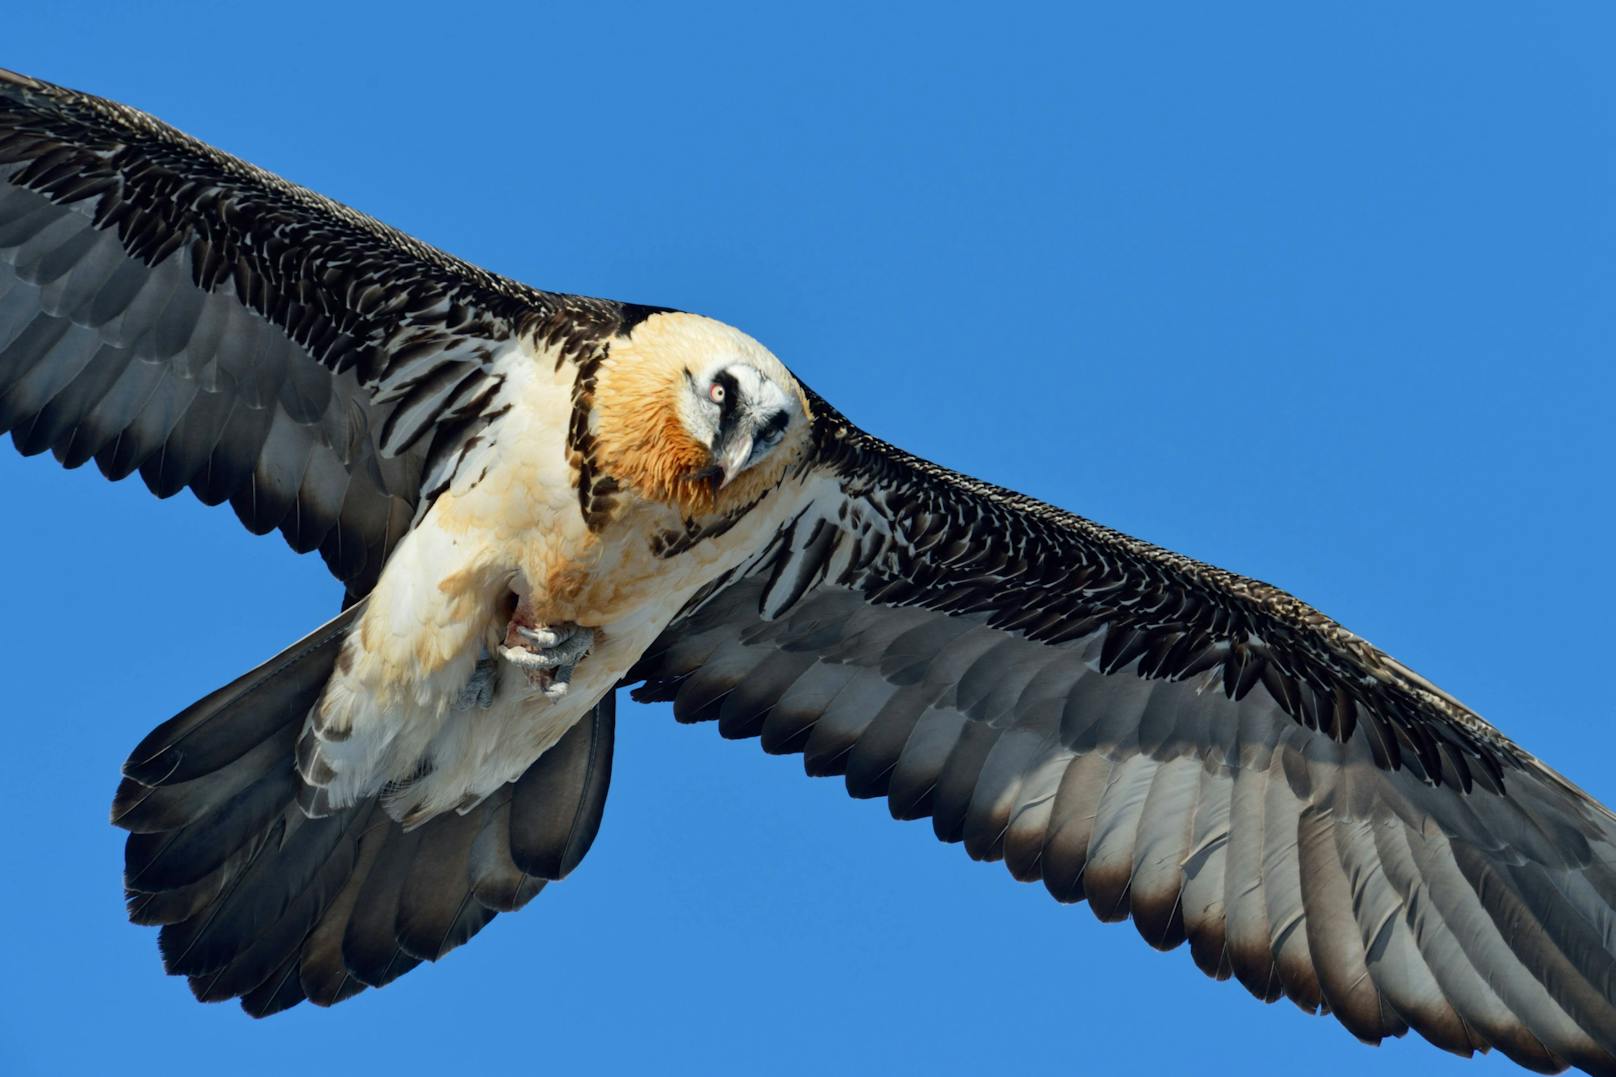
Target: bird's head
<point x="693" y="411"/>
<point x="739" y="413"/>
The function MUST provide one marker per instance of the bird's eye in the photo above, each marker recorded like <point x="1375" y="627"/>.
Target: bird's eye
<point x="716" y="393"/>
<point x="775" y="427"/>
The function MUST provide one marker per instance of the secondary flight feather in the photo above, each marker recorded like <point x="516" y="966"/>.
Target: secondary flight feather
<point x="533" y="498"/>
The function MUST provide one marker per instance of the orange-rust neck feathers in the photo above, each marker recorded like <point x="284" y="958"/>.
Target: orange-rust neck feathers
<point x="645" y="446"/>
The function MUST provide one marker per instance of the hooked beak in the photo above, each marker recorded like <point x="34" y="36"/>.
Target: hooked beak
<point x="730" y="459"/>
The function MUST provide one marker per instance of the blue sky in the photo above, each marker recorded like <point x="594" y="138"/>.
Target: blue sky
<point x="1323" y="293"/>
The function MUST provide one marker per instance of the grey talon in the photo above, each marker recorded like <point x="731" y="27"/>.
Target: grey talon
<point x="547" y="654"/>
<point x="479" y="690"/>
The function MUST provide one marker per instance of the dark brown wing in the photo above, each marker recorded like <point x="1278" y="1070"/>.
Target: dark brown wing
<point x="1176" y="744"/>
<point x="168" y="309"/>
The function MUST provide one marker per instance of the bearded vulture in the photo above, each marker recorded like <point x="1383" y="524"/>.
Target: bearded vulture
<point x="533" y="498"/>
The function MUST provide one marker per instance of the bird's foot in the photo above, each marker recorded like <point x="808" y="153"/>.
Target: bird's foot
<point x="479" y="691"/>
<point x="547" y="654"/>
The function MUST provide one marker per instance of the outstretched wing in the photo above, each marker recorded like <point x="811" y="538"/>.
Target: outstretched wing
<point x="168" y="309"/>
<point x="1176" y="744"/>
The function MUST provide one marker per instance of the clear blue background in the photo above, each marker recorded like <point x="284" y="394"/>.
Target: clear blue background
<point x="1319" y="292"/>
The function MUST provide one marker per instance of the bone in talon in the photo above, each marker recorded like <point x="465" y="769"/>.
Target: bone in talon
<point x="527" y="630"/>
<point x="538" y="668"/>
<point x="544" y="653"/>
<point x="524" y="658"/>
<point x="543" y="638"/>
<point x="523" y="628"/>
<point x="565" y="642"/>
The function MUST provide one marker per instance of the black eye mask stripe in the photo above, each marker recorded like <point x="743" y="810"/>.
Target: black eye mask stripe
<point x="771" y="430"/>
<point x="728" y="408"/>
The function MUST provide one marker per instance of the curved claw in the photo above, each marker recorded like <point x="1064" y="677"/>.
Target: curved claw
<point x="547" y="653"/>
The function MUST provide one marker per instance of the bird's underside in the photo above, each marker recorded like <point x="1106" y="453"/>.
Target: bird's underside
<point x="532" y="498"/>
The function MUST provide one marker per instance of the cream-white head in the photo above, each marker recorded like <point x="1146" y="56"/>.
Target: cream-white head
<point x="691" y="407"/>
<point x="739" y="412"/>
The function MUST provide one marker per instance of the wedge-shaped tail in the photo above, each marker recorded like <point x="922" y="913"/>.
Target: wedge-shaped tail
<point x="260" y="902"/>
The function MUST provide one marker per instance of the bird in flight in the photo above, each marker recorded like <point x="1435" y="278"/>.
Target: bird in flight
<point x="533" y="499"/>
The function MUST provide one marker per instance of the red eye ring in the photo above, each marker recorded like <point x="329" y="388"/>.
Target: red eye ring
<point x="715" y="393"/>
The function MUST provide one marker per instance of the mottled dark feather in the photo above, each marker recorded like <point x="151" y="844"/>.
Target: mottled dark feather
<point x="174" y="311"/>
<point x="1217" y="788"/>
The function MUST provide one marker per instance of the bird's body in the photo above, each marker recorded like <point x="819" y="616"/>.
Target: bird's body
<point x="508" y="531"/>
<point x="532" y="498"/>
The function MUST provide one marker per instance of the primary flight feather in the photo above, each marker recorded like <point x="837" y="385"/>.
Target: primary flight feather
<point x="532" y="498"/>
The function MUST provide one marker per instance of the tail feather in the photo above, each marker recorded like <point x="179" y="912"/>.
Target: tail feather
<point x="438" y="888"/>
<point x="551" y="834"/>
<point x="498" y="884"/>
<point x="172" y="906"/>
<point x="162" y="860"/>
<point x="154" y="809"/>
<point x="473" y="917"/>
<point x="278" y="935"/>
<point x="259" y="901"/>
<point x="280" y="991"/>
<point x="370" y="948"/>
<point x="287" y="865"/>
<point x="323" y="976"/>
<point x="221" y="727"/>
